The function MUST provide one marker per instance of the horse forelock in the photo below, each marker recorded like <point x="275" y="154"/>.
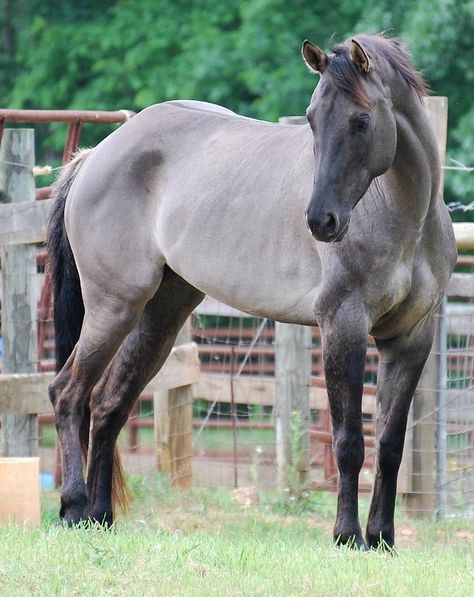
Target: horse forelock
<point x="382" y="52"/>
<point x="347" y="77"/>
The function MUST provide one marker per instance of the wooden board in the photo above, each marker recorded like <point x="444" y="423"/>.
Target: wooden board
<point x="28" y="393"/>
<point x="23" y="223"/>
<point x="260" y="391"/>
<point x="461" y="285"/>
<point x="464" y="233"/>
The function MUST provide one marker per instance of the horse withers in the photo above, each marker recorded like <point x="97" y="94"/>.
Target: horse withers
<point x="188" y="199"/>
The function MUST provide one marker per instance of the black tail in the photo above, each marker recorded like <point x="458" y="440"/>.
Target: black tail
<point x="68" y="304"/>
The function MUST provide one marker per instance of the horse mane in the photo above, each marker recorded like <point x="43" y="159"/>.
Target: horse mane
<point x="347" y="77"/>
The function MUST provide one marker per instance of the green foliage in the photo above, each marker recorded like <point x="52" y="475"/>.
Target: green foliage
<point x="242" y="54"/>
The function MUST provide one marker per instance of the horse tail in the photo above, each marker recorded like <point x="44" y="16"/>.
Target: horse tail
<point x="68" y="306"/>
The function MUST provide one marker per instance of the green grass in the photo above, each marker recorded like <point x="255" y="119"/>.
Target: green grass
<point x="203" y="543"/>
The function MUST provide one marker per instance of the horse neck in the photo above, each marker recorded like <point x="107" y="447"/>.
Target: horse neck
<point x="416" y="168"/>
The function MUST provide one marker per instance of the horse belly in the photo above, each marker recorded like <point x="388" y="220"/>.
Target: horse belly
<point x="232" y="253"/>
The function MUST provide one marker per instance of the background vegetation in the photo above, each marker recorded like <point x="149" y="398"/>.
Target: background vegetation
<point x="244" y="54"/>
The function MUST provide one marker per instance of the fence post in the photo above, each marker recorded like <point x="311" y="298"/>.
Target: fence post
<point x="292" y="376"/>
<point x="292" y="416"/>
<point x="19" y="320"/>
<point x="423" y="436"/>
<point x="173" y="425"/>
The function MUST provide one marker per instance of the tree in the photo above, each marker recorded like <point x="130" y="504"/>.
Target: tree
<point x="242" y="54"/>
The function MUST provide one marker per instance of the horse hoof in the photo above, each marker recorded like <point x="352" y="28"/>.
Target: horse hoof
<point x="381" y="541"/>
<point x="72" y="509"/>
<point x="101" y="519"/>
<point x="350" y="540"/>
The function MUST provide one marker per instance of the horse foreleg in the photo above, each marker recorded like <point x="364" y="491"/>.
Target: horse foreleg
<point x="400" y="366"/>
<point x="138" y="360"/>
<point x="344" y="339"/>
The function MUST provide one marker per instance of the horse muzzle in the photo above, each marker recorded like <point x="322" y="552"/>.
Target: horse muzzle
<point x="326" y="227"/>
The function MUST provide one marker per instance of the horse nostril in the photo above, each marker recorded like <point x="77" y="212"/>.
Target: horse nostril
<point x="330" y="226"/>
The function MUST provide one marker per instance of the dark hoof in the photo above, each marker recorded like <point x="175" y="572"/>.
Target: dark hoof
<point x="381" y="541"/>
<point x="350" y="540"/>
<point x="72" y="509"/>
<point x="103" y="520"/>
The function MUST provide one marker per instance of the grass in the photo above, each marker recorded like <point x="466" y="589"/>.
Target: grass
<point x="203" y="543"/>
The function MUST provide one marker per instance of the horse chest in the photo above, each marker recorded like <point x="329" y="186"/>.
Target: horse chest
<point x="416" y="294"/>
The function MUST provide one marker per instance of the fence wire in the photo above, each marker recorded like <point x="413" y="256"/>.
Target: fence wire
<point x="234" y="438"/>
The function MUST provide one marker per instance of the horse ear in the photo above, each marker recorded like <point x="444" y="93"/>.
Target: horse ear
<point x="316" y="60"/>
<point x="359" y="56"/>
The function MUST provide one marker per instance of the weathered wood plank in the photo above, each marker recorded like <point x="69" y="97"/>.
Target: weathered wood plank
<point x="461" y="285"/>
<point x="25" y="393"/>
<point x="173" y="412"/>
<point x="181" y="368"/>
<point x="260" y="391"/>
<point x="23" y="223"/>
<point x="464" y="233"/>
<point x="19" y="312"/>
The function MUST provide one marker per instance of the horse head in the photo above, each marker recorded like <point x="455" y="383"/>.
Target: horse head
<point x="355" y="134"/>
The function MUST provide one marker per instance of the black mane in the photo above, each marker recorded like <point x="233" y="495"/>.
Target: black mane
<point x="347" y="77"/>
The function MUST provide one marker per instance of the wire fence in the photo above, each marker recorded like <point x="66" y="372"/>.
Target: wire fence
<point x="233" y="425"/>
<point x="239" y="446"/>
<point x="234" y="440"/>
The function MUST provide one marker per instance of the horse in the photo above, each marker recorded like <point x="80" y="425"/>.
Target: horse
<point x="337" y="223"/>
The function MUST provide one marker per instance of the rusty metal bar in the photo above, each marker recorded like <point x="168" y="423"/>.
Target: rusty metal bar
<point x="117" y="116"/>
<point x="72" y="141"/>
<point x="43" y="193"/>
<point x="43" y="313"/>
<point x="233" y="408"/>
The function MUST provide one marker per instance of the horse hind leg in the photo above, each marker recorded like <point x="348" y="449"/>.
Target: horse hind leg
<point x="138" y="360"/>
<point x="103" y="330"/>
<point x="401" y="364"/>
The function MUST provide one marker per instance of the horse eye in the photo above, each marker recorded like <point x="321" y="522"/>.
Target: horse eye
<point x="362" y="123"/>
